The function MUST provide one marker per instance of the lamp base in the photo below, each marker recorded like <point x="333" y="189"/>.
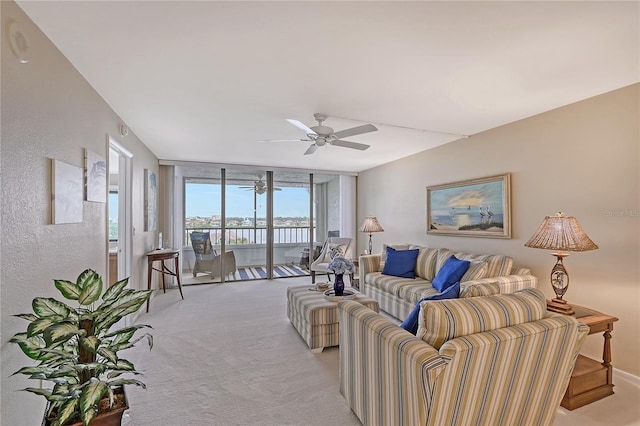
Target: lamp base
<point x="560" y="306"/>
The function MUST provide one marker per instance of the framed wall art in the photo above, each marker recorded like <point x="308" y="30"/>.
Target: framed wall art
<point x="471" y="208"/>
<point x="66" y="193"/>
<point x="150" y="201"/>
<point x="95" y="177"/>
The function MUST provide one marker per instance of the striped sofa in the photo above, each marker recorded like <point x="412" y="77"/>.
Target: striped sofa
<point x="398" y="296"/>
<point x="493" y="360"/>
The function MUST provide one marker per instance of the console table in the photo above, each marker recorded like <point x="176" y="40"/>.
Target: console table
<point x="591" y="380"/>
<point x="162" y="255"/>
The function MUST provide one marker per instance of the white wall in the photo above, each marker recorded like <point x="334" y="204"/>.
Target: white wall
<point x="582" y="159"/>
<point x="50" y="111"/>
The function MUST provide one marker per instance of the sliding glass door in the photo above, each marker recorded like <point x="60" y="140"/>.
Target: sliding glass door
<point x="243" y="223"/>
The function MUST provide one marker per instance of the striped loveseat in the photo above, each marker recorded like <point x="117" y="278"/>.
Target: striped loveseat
<point x="493" y="360"/>
<point x="398" y="296"/>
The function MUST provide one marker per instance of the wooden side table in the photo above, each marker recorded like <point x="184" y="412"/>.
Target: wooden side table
<point x="162" y="255"/>
<point x="355" y="277"/>
<point x="591" y="380"/>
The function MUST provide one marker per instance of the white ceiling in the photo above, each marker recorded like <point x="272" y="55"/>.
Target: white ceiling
<point x="206" y="80"/>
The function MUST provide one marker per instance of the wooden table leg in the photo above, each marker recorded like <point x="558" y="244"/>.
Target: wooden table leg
<point x="164" y="288"/>
<point x="178" y="277"/>
<point x="149" y="271"/>
<point x="606" y="356"/>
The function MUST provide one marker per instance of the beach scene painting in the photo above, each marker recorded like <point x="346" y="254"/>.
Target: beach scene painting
<point x="474" y="208"/>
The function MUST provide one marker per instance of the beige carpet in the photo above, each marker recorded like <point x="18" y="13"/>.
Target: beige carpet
<point x="227" y="355"/>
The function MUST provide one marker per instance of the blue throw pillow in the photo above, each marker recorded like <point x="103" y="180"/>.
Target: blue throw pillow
<point x="400" y="263"/>
<point x="411" y="323"/>
<point x="450" y="273"/>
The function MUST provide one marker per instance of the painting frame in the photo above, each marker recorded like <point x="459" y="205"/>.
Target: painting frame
<point x="471" y="208"/>
<point x="150" y="200"/>
<point x="66" y="193"/>
<point x="95" y="177"/>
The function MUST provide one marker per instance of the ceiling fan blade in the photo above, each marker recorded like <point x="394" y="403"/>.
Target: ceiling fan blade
<point x="285" y="140"/>
<point x="353" y="145"/>
<point x="277" y="189"/>
<point x="366" y="128"/>
<point x="311" y="149"/>
<point x="301" y="126"/>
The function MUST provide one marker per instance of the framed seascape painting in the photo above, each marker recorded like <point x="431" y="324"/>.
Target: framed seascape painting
<point x="472" y="208"/>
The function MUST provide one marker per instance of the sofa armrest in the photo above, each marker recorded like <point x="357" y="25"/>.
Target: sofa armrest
<point x="368" y="263"/>
<point x="508" y="283"/>
<point x="387" y="375"/>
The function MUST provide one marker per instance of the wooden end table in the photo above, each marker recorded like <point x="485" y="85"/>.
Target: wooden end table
<point x="591" y="380"/>
<point x="162" y="255"/>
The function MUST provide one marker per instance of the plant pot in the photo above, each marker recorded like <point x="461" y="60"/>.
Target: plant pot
<point x="106" y="416"/>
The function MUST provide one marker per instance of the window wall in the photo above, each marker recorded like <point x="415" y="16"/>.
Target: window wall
<point x="267" y="223"/>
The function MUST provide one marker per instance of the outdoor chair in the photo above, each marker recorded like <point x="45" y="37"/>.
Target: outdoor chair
<point x="204" y="253"/>
<point x="333" y="247"/>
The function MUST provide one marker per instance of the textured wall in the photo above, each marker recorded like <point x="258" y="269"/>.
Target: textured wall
<point x="582" y="159"/>
<point x="50" y="111"/>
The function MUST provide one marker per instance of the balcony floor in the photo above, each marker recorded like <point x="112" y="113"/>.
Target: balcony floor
<point x="245" y="273"/>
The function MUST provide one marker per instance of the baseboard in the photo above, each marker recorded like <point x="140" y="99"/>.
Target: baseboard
<point x="626" y="377"/>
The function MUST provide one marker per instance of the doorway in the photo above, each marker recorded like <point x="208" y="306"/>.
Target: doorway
<point x="119" y="208"/>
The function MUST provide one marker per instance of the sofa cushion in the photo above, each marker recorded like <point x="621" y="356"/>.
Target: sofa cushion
<point x="400" y="263"/>
<point x="450" y="273"/>
<point x="394" y="285"/>
<point x="411" y="322"/>
<point x="443" y="320"/>
<point x="477" y="271"/>
<point x="426" y="263"/>
<point x="497" y="265"/>
<point x="483" y="289"/>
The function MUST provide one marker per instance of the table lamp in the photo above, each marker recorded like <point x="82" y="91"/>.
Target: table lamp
<point x="370" y="226"/>
<point x="561" y="233"/>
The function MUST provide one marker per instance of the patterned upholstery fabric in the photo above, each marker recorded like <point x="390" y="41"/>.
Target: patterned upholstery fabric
<point x="426" y="263"/>
<point x="484" y="289"/>
<point x="477" y="270"/>
<point x="514" y="375"/>
<point x="316" y="318"/>
<point x="498" y="265"/>
<point x="443" y="320"/>
<point x="398" y="296"/>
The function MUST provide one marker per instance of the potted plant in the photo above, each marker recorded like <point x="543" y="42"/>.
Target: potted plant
<point x="77" y="351"/>
<point x="339" y="265"/>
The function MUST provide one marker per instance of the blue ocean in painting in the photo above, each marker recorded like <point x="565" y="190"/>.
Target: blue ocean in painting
<point x="463" y="218"/>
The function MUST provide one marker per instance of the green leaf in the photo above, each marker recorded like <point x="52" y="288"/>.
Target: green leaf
<point x="91" y="343"/>
<point x="115" y="290"/>
<point x="39" y="391"/>
<point x="28" y="317"/>
<point x="66" y="412"/>
<point x="90" y="284"/>
<point x="60" y="332"/>
<point x="122" y="382"/>
<point x="41" y="324"/>
<point x="31" y="346"/>
<point x="91" y="394"/>
<point x="68" y="289"/>
<point x="46" y="307"/>
<point x="125" y="331"/>
<point x="34" y="370"/>
<point x="109" y="354"/>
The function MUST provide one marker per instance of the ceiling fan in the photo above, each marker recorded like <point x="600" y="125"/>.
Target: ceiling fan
<point x="259" y="186"/>
<point x="321" y="135"/>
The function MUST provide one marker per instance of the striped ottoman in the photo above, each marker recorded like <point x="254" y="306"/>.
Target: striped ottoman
<point x="316" y="318"/>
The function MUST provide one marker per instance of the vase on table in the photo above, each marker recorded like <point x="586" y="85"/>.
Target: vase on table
<point x="338" y="287"/>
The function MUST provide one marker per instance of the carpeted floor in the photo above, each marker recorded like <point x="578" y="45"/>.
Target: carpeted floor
<point x="227" y="355"/>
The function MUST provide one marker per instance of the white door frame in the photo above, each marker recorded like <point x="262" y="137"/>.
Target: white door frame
<point x="125" y="227"/>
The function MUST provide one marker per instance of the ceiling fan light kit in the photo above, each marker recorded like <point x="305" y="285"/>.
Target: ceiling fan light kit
<point x="322" y="135"/>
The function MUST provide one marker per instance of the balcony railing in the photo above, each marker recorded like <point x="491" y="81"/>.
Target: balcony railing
<point x="251" y="235"/>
